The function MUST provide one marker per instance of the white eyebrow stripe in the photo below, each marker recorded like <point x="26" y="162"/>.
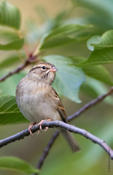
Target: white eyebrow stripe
<point x="37" y="68"/>
<point x="34" y="68"/>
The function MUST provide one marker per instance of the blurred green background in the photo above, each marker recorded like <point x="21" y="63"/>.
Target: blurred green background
<point x="37" y="17"/>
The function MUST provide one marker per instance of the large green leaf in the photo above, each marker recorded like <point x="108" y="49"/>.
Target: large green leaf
<point x="11" y="59"/>
<point x="69" y="78"/>
<point x="102" y="48"/>
<point x="66" y="34"/>
<point x="95" y="71"/>
<point x="13" y="45"/>
<point x="9" y="112"/>
<point x="16" y="164"/>
<point x="105" y="41"/>
<point x="10" y="40"/>
<point x="57" y="42"/>
<point x="8" y="87"/>
<point x="99" y="73"/>
<point x="101" y="56"/>
<point x="9" y="15"/>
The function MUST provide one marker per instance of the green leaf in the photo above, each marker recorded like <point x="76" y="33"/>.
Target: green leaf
<point x="10" y="40"/>
<point x="11" y="83"/>
<point x="92" y="41"/>
<point x="101" y="56"/>
<point x="16" y="164"/>
<point x="103" y="49"/>
<point x="68" y="79"/>
<point x="9" y="112"/>
<point x="11" y="60"/>
<point x="66" y="34"/>
<point x="98" y="72"/>
<point x="68" y="30"/>
<point x="106" y="41"/>
<point x="9" y="15"/>
<point x="14" y="45"/>
<point x="58" y="42"/>
<point x="100" y="42"/>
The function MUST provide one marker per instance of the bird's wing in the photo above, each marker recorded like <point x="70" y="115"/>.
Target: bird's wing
<point x="60" y="106"/>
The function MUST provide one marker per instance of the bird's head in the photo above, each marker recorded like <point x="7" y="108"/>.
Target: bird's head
<point x="43" y="72"/>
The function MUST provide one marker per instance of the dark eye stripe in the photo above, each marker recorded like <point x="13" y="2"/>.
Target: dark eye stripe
<point x="38" y="67"/>
<point x="33" y="68"/>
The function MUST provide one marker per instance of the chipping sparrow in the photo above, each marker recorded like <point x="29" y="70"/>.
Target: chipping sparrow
<point x="38" y="101"/>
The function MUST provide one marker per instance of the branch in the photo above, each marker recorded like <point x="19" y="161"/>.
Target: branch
<point x="60" y="124"/>
<point x="47" y="149"/>
<point x="90" y="104"/>
<point x="31" y="58"/>
<point x="75" y="115"/>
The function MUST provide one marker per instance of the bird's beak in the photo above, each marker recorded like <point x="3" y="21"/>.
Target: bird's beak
<point x="53" y="69"/>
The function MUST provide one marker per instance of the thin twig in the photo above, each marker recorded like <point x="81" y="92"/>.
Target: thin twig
<point x="31" y="58"/>
<point x="69" y="118"/>
<point x="60" y="124"/>
<point x="47" y="149"/>
<point x="90" y="104"/>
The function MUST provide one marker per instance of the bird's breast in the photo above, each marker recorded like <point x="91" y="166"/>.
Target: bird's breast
<point x="35" y="102"/>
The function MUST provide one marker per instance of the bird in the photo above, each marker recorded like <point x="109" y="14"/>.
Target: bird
<point x="38" y="101"/>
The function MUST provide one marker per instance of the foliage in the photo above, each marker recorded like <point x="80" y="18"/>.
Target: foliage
<point x="9" y="113"/>
<point x="86" y="71"/>
<point x="16" y="164"/>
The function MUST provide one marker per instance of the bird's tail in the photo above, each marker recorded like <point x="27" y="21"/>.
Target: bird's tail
<point x="71" y="141"/>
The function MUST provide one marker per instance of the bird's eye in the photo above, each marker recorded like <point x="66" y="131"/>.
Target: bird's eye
<point x="43" y="67"/>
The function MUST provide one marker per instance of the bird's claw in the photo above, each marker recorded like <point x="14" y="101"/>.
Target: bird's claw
<point x="41" y="122"/>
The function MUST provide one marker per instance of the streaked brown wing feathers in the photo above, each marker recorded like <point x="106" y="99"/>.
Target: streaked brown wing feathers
<point x="60" y="106"/>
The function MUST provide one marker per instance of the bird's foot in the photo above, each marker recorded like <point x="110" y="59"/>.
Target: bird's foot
<point x="41" y="122"/>
<point x="40" y="126"/>
<point x="30" y="127"/>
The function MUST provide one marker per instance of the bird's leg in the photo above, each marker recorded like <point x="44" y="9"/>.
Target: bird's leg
<point x="30" y="127"/>
<point x="41" y="122"/>
<point x="46" y="128"/>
